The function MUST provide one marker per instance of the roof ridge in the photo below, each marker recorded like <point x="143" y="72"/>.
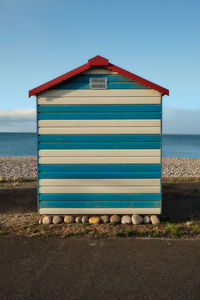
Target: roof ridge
<point x="103" y="62"/>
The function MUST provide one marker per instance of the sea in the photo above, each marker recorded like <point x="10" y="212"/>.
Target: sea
<point x="174" y="145"/>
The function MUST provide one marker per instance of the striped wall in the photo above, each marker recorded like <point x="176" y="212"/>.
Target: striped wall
<point x="99" y="151"/>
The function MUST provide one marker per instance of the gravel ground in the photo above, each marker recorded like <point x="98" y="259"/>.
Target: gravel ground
<point x="18" y="167"/>
<point x="181" y="167"/>
<point x="25" y="167"/>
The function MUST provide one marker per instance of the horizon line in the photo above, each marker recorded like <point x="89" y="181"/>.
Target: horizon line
<point x="162" y="134"/>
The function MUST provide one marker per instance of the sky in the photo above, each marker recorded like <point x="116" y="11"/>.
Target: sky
<point x="158" y="40"/>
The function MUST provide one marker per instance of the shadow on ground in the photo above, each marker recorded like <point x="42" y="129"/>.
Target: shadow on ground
<point x="181" y="200"/>
<point x="18" y="200"/>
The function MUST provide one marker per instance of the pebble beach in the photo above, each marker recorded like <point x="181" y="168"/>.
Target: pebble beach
<point x="13" y="167"/>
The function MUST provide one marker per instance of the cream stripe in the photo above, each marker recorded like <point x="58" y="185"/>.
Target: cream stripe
<point x="100" y="93"/>
<point x="99" y="160"/>
<point x="99" y="190"/>
<point x="98" y="182"/>
<point x="100" y="153"/>
<point x="101" y="130"/>
<point x="99" y="123"/>
<point x="99" y="211"/>
<point x="98" y="100"/>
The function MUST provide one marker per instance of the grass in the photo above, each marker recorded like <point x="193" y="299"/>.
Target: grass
<point x="188" y="229"/>
<point x="18" y="183"/>
<point x="3" y="232"/>
<point x="8" y="180"/>
<point x="125" y="233"/>
<point x="194" y="227"/>
<point x="180" y="179"/>
<point x="77" y="233"/>
<point x="174" y="230"/>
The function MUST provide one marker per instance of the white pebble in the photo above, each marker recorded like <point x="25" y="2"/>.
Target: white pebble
<point x="126" y="220"/>
<point x="155" y="220"/>
<point x="115" y="219"/>
<point x="137" y="219"/>
<point x="85" y="219"/>
<point x="57" y="220"/>
<point x="147" y="220"/>
<point x="69" y="219"/>
<point x="78" y="220"/>
<point x="105" y="219"/>
<point x="47" y="220"/>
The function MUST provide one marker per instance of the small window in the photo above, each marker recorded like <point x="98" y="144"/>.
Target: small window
<point x="98" y="83"/>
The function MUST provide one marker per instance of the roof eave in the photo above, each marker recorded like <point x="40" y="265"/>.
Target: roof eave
<point x="139" y="79"/>
<point x="59" y="79"/>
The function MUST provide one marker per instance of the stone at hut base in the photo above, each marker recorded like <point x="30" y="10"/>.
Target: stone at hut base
<point x="105" y="219"/>
<point x="94" y="220"/>
<point x="40" y="221"/>
<point x="115" y="219"/>
<point x="147" y="219"/>
<point x="47" y="220"/>
<point x="137" y="219"/>
<point x="57" y="220"/>
<point x="126" y="220"/>
<point x="78" y="220"/>
<point x="69" y="219"/>
<point x="155" y="220"/>
<point x="85" y="219"/>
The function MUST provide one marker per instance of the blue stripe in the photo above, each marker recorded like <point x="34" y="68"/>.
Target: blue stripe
<point x="100" y="145"/>
<point x="92" y="204"/>
<point x="99" y="137"/>
<point x="100" y="197"/>
<point x="67" y="85"/>
<point x="101" y="168"/>
<point x="66" y="175"/>
<point x="99" y="108"/>
<point x="110" y="78"/>
<point x="99" y="115"/>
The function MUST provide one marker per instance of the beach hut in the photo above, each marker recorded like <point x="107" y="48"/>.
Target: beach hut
<point x="99" y="130"/>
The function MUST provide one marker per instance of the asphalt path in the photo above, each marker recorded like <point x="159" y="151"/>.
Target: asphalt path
<point x="86" y="268"/>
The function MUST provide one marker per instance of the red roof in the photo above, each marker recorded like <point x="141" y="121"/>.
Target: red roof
<point x="95" y="62"/>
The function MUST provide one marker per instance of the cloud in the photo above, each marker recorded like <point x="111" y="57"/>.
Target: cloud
<point x="181" y="121"/>
<point x="18" y="120"/>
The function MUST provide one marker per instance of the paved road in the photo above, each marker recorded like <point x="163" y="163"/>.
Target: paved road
<point x="99" y="269"/>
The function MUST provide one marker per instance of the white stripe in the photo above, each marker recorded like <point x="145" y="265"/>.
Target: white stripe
<point x="99" y="160"/>
<point x="100" y="153"/>
<point x="100" y="123"/>
<point x="99" y="211"/>
<point x="101" y="130"/>
<point x="101" y="93"/>
<point x="100" y="190"/>
<point x="98" y="100"/>
<point x="98" y="182"/>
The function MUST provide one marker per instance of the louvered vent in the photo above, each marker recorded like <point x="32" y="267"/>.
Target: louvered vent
<point x="98" y="83"/>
